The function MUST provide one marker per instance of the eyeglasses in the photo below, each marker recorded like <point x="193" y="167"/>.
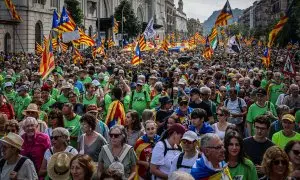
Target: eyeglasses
<point x="282" y="162"/>
<point x="216" y="147"/>
<point x="296" y="152"/>
<point x="221" y="115"/>
<point x="184" y="141"/>
<point x="114" y="135"/>
<point x="54" y="137"/>
<point x="148" y="129"/>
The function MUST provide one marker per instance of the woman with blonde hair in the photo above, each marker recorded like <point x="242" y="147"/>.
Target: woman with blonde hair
<point x="180" y="175"/>
<point x="275" y="164"/>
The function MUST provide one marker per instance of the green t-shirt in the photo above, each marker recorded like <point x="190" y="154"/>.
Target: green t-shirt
<point x="86" y="101"/>
<point x="146" y="88"/>
<point x="54" y="93"/>
<point x="20" y="105"/>
<point x="107" y="101"/>
<point x="62" y="99"/>
<point x="274" y="91"/>
<point x="76" y="91"/>
<point x="155" y="101"/>
<point x="126" y="101"/>
<point x="255" y="111"/>
<point x="43" y="116"/>
<point x="139" y="101"/>
<point x="244" y="171"/>
<point x="297" y="116"/>
<point x="87" y="79"/>
<point x="73" y="127"/>
<point x="10" y="96"/>
<point x="264" y="83"/>
<point x="280" y="140"/>
<point x="46" y="106"/>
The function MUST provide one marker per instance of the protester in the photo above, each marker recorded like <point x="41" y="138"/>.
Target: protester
<point x="56" y="119"/>
<point x="220" y="127"/>
<point x="12" y="126"/>
<point x="260" y="141"/>
<point x="35" y="143"/>
<point x="90" y="142"/>
<point x="293" y="99"/>
<point x="133" y="127"/>
<point x="5" y="107"/>
<point x="58" y="166"/>
<point x="211" y="163"/>
<point x="143" y="148"/>
<point x="179" y="175"/>
<point x="82" y="167"/>
<point x="117" y="154"/>
<point x="277" y="124"/>
<point x="162" y="112"/>
<point x="185" y="160"/>
<point x="282" y="137"/>
<point x="59" y="143"/>
<point x="165" y="150"/>
<point x="275" y="164"/>
<point x="21" y="102"/>
<point x="239" y="165"/>
<point x="13" y="165"/>
<point x="198" y="125"/>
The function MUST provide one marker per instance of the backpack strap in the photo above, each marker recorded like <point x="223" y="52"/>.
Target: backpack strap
<point x="71" y="149"/>
<point x="240" y="104"/>
<point x="2" y="162"/>
<point x="168" y="149"/>
<point x="226" y="102"/>
<point x="179" y="161"/>
<point x="131" y="99"/>
<point x="20" y="163"/>
<point x="108" y="153"/>
<point x="125" y="152"/>
<point x="50" y="149"/>
<point x="269" y="105"/>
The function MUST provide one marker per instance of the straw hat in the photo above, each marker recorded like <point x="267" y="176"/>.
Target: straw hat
<point x="14" y="140"/>
<point x="31" y="108"/>
<point x="58" y="166"/>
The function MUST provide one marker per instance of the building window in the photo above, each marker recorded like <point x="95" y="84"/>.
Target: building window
<point x="54" y="3"/>
<point x="7" y="43"/>
<point x="39" y="1"/>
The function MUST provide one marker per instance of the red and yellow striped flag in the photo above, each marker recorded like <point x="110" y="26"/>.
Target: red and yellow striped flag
<point x="77" y="56"/>
<point x="142" y="42"/>
<point x="47" y="62"/>
<point x="224" y="15"/>
<point x="63" y="47"/>
<point x="12" y="9"/>
<point x="276" y="30"/>
<point x="137" y="59"/>
<point x="38" y="48"/>
<point x="116" y="26"/>
<point x="165" y="45"/>
<point x="213" y="34"/>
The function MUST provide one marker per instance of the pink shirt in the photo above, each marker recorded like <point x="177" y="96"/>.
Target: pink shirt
<point x="35" y="149"/>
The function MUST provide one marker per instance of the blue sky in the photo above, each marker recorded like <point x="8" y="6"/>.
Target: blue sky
<point x="202" y="9"/>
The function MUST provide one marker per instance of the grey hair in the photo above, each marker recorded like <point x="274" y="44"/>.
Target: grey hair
<point x="147" y="115"/>
<point x="61" y="131"/>
<point x="158" y="86"/>
<point x="30" y="120"/>
<point x="283" y="109"/>
<point x="180" y="175"/>
<point x="206" y="139"/>
<point x="122" y="130"/>
<point x="205" y="89"/>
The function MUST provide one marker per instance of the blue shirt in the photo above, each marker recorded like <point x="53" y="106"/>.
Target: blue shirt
<point x="206" y="128"/>
<point x="80" y="86"/>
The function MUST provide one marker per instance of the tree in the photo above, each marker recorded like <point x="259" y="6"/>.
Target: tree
<point x="291" y="30"/>
<point x="75" y="11"/>
<point x="131" y="24"/>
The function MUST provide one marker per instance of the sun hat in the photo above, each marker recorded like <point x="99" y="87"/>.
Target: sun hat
<point x="58" y="166"/>
<point x="31" y="108"/>
<point x="190" y="136"/>
<point x="13" y="139"/>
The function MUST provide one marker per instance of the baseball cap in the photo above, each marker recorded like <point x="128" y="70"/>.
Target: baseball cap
<point x="22" y="88"/>
<point x="261" y="91"/>
<point x="289" y="117"/>
<point x="139" y="82"/>
<point x="190" y="136"/>
<point x="8" y="84"/>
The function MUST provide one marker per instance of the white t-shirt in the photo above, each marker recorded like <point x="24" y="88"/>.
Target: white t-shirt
<point x="186" y="162"/>
<point x="158" y="158"/>
<point x="69" y="149"/>
<point x="26" y="172"/>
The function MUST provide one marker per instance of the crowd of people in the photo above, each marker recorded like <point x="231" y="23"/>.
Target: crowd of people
<point x="175" y="116"/>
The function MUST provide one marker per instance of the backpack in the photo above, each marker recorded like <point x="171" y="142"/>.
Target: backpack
<point x="169" y="149"/>
<point x="179" y="161"/>
<point x="239" y="102"/>
<point x="18" y="165"/>
<point x="50" y="149"/>
<point x="116" y="162"/>
<point x="132" y="95"/>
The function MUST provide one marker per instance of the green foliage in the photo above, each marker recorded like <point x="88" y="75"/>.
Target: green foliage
<point x="131" y="24"/>
<point x="75" y="11"/>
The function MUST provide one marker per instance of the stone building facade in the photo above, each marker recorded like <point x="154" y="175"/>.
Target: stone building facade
<point x="181" y="20"/>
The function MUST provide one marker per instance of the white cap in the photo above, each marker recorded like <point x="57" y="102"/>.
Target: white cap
<point x="190" y="136"/>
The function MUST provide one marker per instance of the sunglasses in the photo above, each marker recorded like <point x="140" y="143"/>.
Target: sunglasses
<point x="114" y="135"/>
<point x="184" y="141"/>
<point x="296" y="152"/>
<point x="54" y="137"/>
<point x="277" y="162"/>
<point x="148" y="129"/>
<point x="219" y="114"/>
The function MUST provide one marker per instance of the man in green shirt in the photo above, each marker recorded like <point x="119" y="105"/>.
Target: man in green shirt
<point x="71" y="122"/>
<point x="139" y="99"/>
<point x="22" y="101"/>
<point x="47" y="99"/>
<point x="63" y="98"/>
<point x="84" y="77"/>
<point x="275" y="88"/>
<point x="53" y="91"/>
<point x="260" y="107"/>
<point x="9" y="92"/>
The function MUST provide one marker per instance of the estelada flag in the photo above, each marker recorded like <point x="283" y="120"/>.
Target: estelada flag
<point x="224" y="15"/>
<point x="115" y="114"/>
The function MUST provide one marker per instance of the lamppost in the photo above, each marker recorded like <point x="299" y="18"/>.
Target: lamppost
<point x="122" y="25"/>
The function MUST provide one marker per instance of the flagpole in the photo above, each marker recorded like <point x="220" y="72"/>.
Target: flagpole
<point x="122" y="25"/>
